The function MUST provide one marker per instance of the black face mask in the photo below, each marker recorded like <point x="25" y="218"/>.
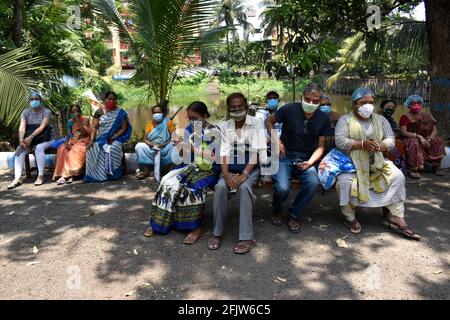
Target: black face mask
<point x="388" y="112"/>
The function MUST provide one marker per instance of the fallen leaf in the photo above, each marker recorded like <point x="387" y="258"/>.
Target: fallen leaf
<point x="32" y="263"/>
<point x="438" y="271"/>
<point x="341" y="243"/>
<point x="344" y="237"/>
<point x="35" y="250"/>
<point x="323" y="226"/>
<point x="282" y="279"/>
<point x="10" y="213"/>
<point x="429" y="189"/>
<point x="135" y="252"/>
<point x="129" y="293"/>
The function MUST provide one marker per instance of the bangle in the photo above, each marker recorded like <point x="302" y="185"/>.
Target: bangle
<point x="245" y="173"/>
<point x="362" y="144"/>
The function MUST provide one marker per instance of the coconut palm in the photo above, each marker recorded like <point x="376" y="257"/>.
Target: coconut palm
<point x="163" y="34"/>
<point x="18" y="75"/>
<point x="232" y="13"/>
<point x="411" y="36"/>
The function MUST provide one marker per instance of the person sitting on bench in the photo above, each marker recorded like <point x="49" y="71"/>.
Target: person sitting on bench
<point x="71" y="155"/>
<point x="35" y="135"/>
<point x="302" y="144"/>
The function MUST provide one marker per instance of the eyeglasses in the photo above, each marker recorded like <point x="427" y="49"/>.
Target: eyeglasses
<point x="305" y="126"/>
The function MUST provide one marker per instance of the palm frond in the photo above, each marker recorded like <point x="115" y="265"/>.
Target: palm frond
<point x="19" y="73"/>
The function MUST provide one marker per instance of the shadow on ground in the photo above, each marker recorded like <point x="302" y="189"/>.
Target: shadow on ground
<point x="96" y="230"/>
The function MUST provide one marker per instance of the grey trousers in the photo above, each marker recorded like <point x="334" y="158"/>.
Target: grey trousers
<point x="246" y="201"/>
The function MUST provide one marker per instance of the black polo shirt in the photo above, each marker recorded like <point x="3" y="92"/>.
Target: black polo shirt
<point x="301" y="144"/>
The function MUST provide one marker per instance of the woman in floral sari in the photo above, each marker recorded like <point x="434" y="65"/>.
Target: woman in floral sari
<point x="377" y="182"/>
<point x="180" y="200"/>
<point x="71" y="155"/>
<point x="420" y="138"/>
<point x="104" y="150"/>
<point x="156" y="142"/>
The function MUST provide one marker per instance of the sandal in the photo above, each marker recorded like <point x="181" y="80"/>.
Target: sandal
<point x="244" y="246"/>
<point x="402" y="229"/>
<point x="61" y="181"/>
<point x="214" y="243"/>
<point x="14" y="184"/>
<point x="192" y="237"/>
<point x="39" y="181"/>
<point x="414" y="174"/>
<point x="148" y="232"/>
<point x="438" y="171"/>
<point x="276" y="219"/>
<point x="294" y="228"/>
<point x="141" y="176"/>
<point x="70" y="180"/>
<point x="354" y="226"/>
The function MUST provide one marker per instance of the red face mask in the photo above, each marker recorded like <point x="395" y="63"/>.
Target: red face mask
<point x="415" y="107"/>
<point x="111" y="105"/>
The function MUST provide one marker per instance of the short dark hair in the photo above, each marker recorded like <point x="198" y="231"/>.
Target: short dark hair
<point x="163" y="109"/>
<point x="312" y="87"/>
<point x="77" y="106"/>
<point x="272" y="93"/>
<point x="236" y="95"/>
<point x="385" y="102"/>
<point x="108" y="93"/>
<point x="200" y="108"/>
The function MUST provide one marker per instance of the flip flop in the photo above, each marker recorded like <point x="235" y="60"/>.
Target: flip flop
<point x="245" y="246"/>
<point x="276" y="219"/>
<point x="148" y="232"/>
<point x="403" y="230"/>
<point x="214" y="243"/>
<point x="191" y="238"/>
<point x="294" y="229"/>
<point x="141" y="176"/>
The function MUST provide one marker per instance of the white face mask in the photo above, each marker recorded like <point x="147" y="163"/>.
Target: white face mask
<point x="366" y="110"/>
<point x="309" y="107"/>
<point x="238" y="115"/>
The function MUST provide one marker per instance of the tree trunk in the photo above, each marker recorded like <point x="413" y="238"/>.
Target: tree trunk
<point x="293" y="89"/>
<point x="228" y="50"/>
<point x="16" y="33"/>
<point x="438" y="25"/>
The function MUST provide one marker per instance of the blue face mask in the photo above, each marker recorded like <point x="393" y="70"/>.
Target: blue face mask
<point x="272" y="104"/>
<point x="325" y="108"/>
<point x="35" y="103"/>
<point x="157" y="117"/>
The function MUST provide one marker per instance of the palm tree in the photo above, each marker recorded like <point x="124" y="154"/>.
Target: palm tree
<point x="164" y="34"/>
<point x="231" y="12"/>
<point x="18" y="75"/>
<point x="409" y="35"/>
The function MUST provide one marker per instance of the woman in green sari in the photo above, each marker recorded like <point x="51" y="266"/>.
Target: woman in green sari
<point x="180" y="200"/>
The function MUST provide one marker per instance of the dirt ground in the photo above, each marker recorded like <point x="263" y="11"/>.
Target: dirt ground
<point x="84" y="241"/>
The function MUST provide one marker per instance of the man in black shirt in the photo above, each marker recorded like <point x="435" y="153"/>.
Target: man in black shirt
<point x="301" y="145"/>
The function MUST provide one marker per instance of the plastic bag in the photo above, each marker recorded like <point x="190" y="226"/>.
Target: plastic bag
<point x="333" y="164"/>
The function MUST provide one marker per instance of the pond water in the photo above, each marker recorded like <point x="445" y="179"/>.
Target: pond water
<point x="139" y="115"/>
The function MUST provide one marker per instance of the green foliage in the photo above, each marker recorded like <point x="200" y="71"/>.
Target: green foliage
<point x="19" y="73"/>
<point x="166" y="32"/>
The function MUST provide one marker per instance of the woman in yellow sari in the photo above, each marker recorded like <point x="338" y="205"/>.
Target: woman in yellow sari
<point x="377" y="182"/>
<point x="71" y="155"/>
